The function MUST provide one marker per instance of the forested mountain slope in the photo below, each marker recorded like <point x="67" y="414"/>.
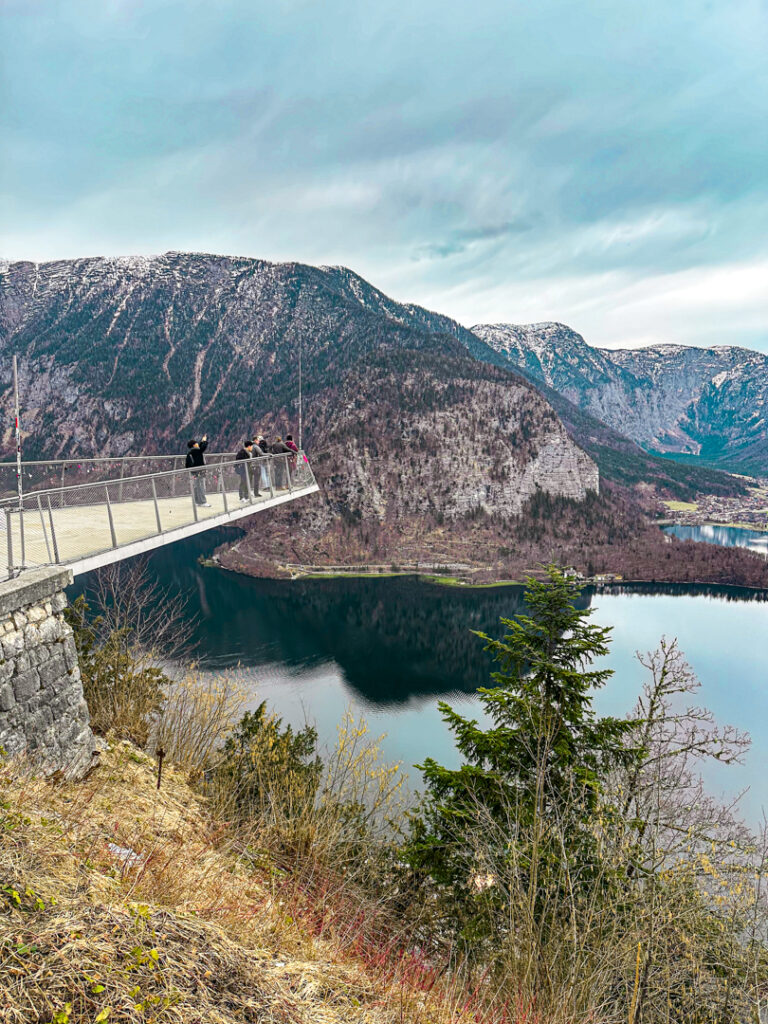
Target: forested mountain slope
<point x="552" y="360"/>
<point x="131" y="354"/>
<point x="134" y="355"/>
<point x="427" y="444"/>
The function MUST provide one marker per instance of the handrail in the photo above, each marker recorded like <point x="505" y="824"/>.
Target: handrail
<point x="14" y="501"/>
<point x="106" y="458"/>
<point x="92" y="520"/>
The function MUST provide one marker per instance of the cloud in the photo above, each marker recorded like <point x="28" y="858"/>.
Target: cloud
<point x="498" y="161"/>
<point x="464" y="238"/>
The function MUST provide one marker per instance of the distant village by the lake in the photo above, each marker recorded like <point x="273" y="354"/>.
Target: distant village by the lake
<point x="748" y="510"/>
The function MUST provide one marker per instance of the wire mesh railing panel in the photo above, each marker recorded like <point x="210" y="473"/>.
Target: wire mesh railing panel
<point x="46" y="475"/>
<point x="68" y="524"/>
<point x="301" y="472"/>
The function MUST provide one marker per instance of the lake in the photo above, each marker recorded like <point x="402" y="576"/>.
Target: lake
<point x="391" y="648"/>
<point x="725" y="536"/>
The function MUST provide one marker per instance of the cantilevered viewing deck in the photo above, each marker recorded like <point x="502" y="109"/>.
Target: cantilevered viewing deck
<point x="88" y="513"/>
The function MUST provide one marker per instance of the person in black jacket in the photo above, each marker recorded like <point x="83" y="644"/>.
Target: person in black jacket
<point x="244" y="455"/>
<point x="281" y="465"/>
<point x="196" y="461"/>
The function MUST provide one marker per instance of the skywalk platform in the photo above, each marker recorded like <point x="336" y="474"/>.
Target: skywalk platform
<point x="91" y="524"/>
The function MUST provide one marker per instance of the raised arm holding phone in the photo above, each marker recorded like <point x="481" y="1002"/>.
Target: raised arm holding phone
<point x="196" y="462"/>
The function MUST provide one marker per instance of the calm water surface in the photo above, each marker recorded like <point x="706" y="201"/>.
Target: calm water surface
<point x="391" y="648"/>
<point x="726" y="536"/>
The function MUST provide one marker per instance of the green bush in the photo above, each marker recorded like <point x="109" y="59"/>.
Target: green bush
<point x="124" y="691"/>
<point x="268" y="770"/>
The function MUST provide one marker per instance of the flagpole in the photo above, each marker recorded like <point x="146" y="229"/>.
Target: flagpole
<point x="301" y="345"/>
<point x="19" y="484"/>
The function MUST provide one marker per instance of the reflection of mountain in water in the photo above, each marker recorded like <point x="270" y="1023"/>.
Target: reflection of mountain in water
<point x="394" y="638"/>
<point x="398" y="638"/>
<point x="723" y="536"/>
<point x="721" y="591"/>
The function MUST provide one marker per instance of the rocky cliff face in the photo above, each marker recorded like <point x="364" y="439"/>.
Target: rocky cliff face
<point x="711" y="403"/>
<point x="546" y="354"/>
<point x="134" y="355"/>
<point x="419" y="435"/>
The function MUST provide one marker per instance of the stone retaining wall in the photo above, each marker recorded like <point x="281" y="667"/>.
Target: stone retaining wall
<point x="43" y="714"/>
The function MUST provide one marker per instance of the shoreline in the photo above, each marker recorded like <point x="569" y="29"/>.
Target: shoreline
<point x="750" y="527"/>
<point x="585" y="583"/>
<point x="452" y="581"/>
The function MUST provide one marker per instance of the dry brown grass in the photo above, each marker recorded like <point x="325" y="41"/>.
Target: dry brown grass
<point x="187" y="931"/>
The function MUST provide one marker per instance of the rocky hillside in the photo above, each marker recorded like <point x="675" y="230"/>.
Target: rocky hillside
<point x="132" y="355"/>
<point x="124" y="902"/>
<point x="707" y="403"/>
<point x="427" y="443"/>
<point x="410" y="434"/>
<point x="619" y="458"/>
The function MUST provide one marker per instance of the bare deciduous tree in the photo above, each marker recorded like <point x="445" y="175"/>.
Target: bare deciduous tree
<point x="156" y="623"/>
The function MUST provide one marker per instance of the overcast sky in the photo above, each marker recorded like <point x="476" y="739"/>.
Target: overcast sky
<point x="599" y="162"/>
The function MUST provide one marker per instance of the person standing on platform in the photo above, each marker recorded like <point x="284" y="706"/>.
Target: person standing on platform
<point x="290" y="443"/>
<point x="281" y="465"/>
<point x="196" y="462"/>
<point x="260" y="449"/>
<point x="244" y="456"/>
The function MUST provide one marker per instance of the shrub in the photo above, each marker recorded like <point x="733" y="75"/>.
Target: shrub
<point x="267" y="770"/>
<point x="123" y="690"/>
<point x="198" y="713"/>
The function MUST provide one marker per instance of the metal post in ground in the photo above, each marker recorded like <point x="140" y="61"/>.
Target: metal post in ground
<point x="301" y="346"/>
<point x="19" y="482"/>
<point x="249" y="481"/>
<point x="9" y="537"/>
<point x="21" y="531"/>
<point x="192" y="492"/>
<point x="45" y="532"/>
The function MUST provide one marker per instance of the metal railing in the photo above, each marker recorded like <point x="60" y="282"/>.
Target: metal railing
<point x="61" y="525"/>
<point x="51" y="473"/>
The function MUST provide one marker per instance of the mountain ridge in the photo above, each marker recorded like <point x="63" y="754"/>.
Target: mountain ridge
<point x="709" y="403"/>
<point x="426" y="440"/>
<point x="124" y="354"/>
<point x="243" y="319"/>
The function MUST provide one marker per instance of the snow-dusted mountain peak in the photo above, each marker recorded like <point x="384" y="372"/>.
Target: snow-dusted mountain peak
<point x="666" y="397"/>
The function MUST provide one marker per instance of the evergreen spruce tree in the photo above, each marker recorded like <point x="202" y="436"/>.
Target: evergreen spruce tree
<point x="534" y="774"/>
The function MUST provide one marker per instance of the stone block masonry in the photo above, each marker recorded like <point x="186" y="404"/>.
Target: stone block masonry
<point x="43" y="714"/>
